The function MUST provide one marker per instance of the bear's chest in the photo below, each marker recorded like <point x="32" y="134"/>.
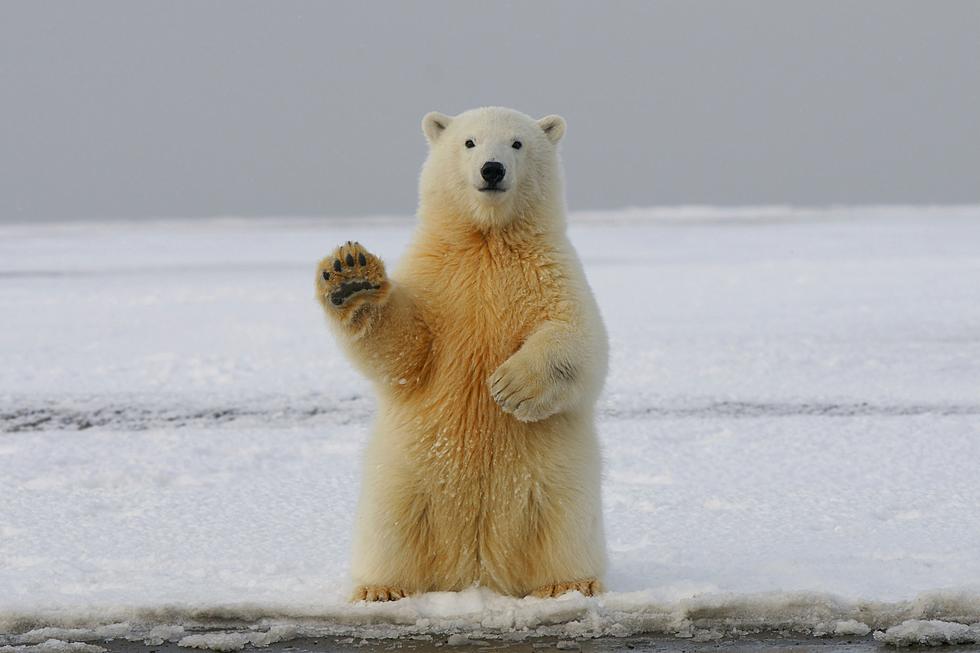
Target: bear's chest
<point x="480" y="307"/>
<point x="485" y="306"/>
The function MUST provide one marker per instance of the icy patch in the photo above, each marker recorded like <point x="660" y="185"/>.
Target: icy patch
<point x="478" y="615"/>
<point x="163" y="633"/>
<point x="53" y="646"/>
<point x="851" y="627"/>
<point x="102" y="632"/>
<point x="237" y="641"/>
<point x="934" y="632"/>
<point x="51" y="638"/>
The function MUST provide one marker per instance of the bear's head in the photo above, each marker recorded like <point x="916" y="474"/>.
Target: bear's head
<point x="492" y="167"/>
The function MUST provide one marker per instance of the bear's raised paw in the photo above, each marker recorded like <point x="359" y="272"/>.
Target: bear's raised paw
<point x="350" y="273"/>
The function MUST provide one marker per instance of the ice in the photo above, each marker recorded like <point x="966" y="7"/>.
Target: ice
<point x="237" y="641"/>
<point x="917" y="632"/>
<point x="851" y="627"/>
<point x="53" y="646"/>
<point x="790" y="430"/>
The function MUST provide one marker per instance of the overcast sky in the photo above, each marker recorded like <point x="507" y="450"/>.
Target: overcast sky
<point x="138" y="108"/>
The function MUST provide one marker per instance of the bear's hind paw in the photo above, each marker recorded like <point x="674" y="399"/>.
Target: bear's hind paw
<point x="378" y="593"/>
<point x="587" y="587"/>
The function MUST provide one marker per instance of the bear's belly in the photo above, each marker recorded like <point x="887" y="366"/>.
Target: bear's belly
<point x="484" y="477"/>
<point x="482" y="483"/>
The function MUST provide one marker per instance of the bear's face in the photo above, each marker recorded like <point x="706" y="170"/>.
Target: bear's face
<point x="491" y="165"/>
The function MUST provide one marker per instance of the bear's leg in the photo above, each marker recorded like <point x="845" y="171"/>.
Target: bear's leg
<point x="392" y="540"/>
<point x="377" y="320"/>
<point x="404" y="547"/>
<point x="411" y="536"/>
<point x="566" y="552"/>
<point x="543" y="533"/>
<point x="561" y="551"/>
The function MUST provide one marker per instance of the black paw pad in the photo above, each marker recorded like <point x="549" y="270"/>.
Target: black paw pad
<point x="326" y="276"/>
<point x="350" y="261"/>
<point x="361" y="260"/>
<point x="336" y="265"/>
<point x="349" y="288"/>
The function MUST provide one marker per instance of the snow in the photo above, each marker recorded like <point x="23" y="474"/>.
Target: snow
<point x="917" y="632"/>
<point x="236" y="641"/>
<point x="791" y="429"/>
<point x="851" y="627"/>
<point x="53" y="646"/>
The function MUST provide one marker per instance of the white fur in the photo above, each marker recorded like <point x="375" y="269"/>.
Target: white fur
<point x="464" y="482"/>
<point x="451" y="176"/>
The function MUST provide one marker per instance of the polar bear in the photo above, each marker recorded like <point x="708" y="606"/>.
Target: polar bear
<point x="488" y="353"/>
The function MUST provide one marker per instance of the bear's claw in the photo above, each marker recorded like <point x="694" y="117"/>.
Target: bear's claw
<point x="378" y="593"/>
<point x="587" y="587"/>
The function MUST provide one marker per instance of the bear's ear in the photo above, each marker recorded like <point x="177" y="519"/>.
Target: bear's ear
<point x="433" y="124"/>
<point x="553" y="127"/>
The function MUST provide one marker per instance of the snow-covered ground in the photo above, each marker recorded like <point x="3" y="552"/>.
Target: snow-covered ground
<point x="791" y="430"/>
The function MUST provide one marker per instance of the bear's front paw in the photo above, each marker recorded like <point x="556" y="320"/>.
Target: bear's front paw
<point x="350" y="276"/>
<point x="523" y="391"/>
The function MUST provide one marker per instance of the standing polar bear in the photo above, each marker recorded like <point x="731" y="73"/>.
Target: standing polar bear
<point x="488" y="353"/>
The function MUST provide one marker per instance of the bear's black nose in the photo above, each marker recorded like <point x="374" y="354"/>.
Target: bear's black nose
<point x="492" y="172"/>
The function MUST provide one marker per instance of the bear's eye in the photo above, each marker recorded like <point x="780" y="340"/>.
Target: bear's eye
<point x="469" y="143"/>
<point x="517" y="145"/>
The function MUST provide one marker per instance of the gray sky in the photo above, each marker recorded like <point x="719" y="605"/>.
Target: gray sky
<point x="139" y="108"/>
